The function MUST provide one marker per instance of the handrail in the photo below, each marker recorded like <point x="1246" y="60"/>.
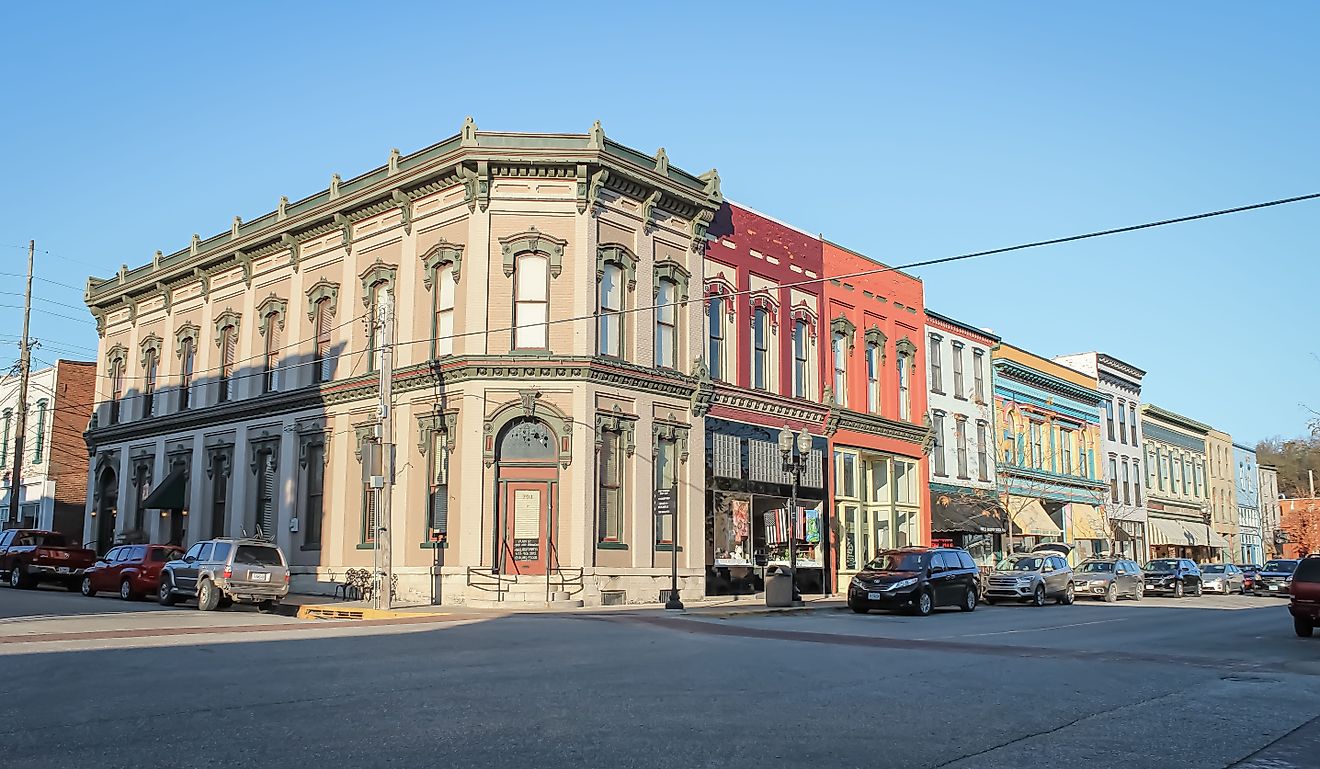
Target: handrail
<point x="484" y="579"/>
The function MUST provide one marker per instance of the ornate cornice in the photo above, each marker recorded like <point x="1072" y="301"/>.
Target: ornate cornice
<point x="152" y="344"/>
<point x="616" y="421"/>
<point x="841" y="325"/>
<point x="616" y="253"/>
<point x="759" y="402"/>
<point x="185" y="332"/>
<point x="874" y="424"/>
<point x="1014" y="370"/>
<point x="272" y="305"/>
<point x="322" y="289"/>
<point x="378" y="272"/>
<point x="533" y="241"/>
<point x="443" y="252"/>
<point x="226" y="319"/>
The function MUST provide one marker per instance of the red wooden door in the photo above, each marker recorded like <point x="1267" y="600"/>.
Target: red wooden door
<point x="526" y="516"/>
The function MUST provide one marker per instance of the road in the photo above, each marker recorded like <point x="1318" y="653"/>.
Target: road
<point x="1210" y="682"/>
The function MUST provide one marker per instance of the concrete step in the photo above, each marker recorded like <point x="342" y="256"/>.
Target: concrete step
<point x="508" y="603"/>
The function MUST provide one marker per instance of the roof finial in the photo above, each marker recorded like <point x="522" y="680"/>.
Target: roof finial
<point x="468" y="133"/>
<point x="393" y="167"/>
<point x="233" y="229"/>
<point x="334" y="186"/>
<point x="283" y="210"/>
<point x="195" y="245"/>
<point x="597" y="139"/>
<point x="662" y="162"/>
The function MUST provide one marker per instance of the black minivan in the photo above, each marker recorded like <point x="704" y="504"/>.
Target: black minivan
<point x="916" y="580"/>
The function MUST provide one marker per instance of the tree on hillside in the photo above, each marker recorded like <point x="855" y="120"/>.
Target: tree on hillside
<point x="1293" y="457"/>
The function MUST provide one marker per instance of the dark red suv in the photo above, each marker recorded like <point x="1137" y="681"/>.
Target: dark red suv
<point x="1304" y="593"/>
<point x="131" y="570"/>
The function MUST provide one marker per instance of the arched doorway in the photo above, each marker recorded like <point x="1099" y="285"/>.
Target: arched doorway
<point x="107" y="508"/>
<point x="527" y="476"/>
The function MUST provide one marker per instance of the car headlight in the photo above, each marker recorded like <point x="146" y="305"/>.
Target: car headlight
<point x="902" y="583"/>
<point x="1023" y="581"/>
<point x="856" y="582"/>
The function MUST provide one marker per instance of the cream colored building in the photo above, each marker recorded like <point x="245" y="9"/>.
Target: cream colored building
<point x="539" y="398"/>
<point x="1223" y="494"/>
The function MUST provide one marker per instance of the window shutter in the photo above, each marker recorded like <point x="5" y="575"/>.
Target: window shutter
<point x="369" y="515"/>
<point x="266" y="510"/>
<point x="323" y="338"/>
<point x="440" y="509"/>
<point x="273" y="345"/>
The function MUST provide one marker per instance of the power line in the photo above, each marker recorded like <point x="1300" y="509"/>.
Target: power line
<point x="49" y="312"/>
<point x="79" y="289"/>
<point x="48" y="301"/>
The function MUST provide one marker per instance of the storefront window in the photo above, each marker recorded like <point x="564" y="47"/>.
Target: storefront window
<point x="879" y="480"/>
<point x="849" y="476"/>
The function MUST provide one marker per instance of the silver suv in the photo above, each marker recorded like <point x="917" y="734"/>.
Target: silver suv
<point x="218" y="572"/>
<point x="1033" y="577"/>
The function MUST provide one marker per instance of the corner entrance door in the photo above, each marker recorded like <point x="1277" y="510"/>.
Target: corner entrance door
<point x="526" y="514"/>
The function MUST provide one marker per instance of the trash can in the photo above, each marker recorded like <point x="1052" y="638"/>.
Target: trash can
<point x="778" y="586"/>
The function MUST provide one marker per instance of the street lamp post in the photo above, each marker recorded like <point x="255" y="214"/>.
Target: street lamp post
<point x="794" y="463"/>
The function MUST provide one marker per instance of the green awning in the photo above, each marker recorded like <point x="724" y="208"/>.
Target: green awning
<point x="171" y="493"/>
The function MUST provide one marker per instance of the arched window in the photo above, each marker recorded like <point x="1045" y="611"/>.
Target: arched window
<point x="228" y="358"/>
<point x="609" y="310"/>
<point x="715" y="354"/>
<point x="761" y="349"/>
<point x="150" y="366"/>
<point x="116" y="388"/>
<point x="531" y="307"/>
<point x="666" y="323"/>
<point x="187" y="361"/>
<point x="801" y="371"/>
<point x="270" y="380"/>
<point x="443" y="298"/>
<point x="321" y="349"/>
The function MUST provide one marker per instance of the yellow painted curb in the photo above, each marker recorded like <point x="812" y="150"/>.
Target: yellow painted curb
<point x="332" y="611"/>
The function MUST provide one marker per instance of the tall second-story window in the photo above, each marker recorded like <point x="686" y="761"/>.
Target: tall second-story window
<point x="228" y="357"/>
<point x="715" y="342"/>
<point x="610" y="491"/>
<point x="960" y="428"/>
<point x="904" y="385"/>
<point x="936" y="365"/>
<point x="116" y="388"/>
<point x="609" y="311"/>
<point x="1109" y="418"/>
<point x="443" y="296"/>
<point x="666" y="323"/>
<point x="376" y="336"/>
<point x="839" y="356"/>
<point x="959" y="389"/>
<point x="1065" y="450"/>
<point x="7" y="417"/>
<point x="982" y="457"/>
<point x="1122" y="422"/>
<point x="1132" y="422"/>
<point x="39" y="449"/>
<point x="187" y="362"/>
<point x="873" y="377"/>
<point x="531" y="308"/>
<point x="761" y="349"/>
<point x="1113" y="478"/>
<point x="270" y="375"/>
<point x="978" y="374"/>
<point x="800" y="368"/>
<point x="1136" y="481"/>
<point x="321" y="347"/>
<point x="150" y="365"/>
<point x="1037" y="445"/>
<point x="1127" y="483"/>
<point x="937" y="446"/>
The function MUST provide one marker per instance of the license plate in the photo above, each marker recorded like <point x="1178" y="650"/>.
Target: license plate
<point x="874" y="596"/>
<point x="62" y="570"/>
<point x="1274" y="587"/>
<point x="260" y="576"/>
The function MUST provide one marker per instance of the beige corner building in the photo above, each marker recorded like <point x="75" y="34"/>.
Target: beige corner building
<point x="1223" y="495"/>
<point x="545" y="382"/>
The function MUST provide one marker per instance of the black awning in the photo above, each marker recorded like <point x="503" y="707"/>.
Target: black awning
<point x="171" y="493"/>
<point x="964" y="517"/>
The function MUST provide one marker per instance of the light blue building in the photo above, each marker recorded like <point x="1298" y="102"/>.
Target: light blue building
<point x="1246" y="487"/>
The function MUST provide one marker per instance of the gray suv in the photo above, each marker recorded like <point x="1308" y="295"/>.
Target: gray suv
<point x="219" y="572"/>
<point x="1031" y="577"/>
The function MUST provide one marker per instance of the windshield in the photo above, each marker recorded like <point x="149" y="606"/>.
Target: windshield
<point x="255" y="555"/>
<point x="1283" y="567"/>
<point x="1212" y="569"/>
<point x="1163" y="564"/>
<point x="896" y="561"/>
<point x="1096" y="566"/>
<point x="41" y="539"/>
<point x="1021" y="563"/>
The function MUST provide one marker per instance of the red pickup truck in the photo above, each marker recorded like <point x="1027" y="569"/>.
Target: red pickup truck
<point x="1305" y="594"/>
<point x="29" y="556"/>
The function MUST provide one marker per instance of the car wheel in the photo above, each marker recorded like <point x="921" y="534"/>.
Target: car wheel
<point x="1198" y="590"/>
<point x="969" y="600"/>
<point x="87" y="588"/>
<point x="1068" y="597"/>
<point x="1140" y="594"/>
<point x="1303" y="627"/>
<point x="1038" y="597"/>
<point x="165" y="595"/>
<point x="857" y="608"/>
<point x="17" y="579"/>
<point x="265" y="607"/>
<point x="925" y="604"/>
<point x="208" y="597"/>
<point x="1242" y="589"/>
<point x="1111" y="593"/>
<point x="1177" y="590"/>
<point x="126" y="591"/>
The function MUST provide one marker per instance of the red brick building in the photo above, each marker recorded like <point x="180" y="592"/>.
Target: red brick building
<point x="874" y="384"/>
<point x="1300" y="519"/>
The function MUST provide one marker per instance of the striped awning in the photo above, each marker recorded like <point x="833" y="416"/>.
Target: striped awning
<point x="1166" y="531"/>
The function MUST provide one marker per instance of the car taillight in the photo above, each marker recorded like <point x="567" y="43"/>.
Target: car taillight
<point x="286" y="577"/>
<point x="228" y="572"/>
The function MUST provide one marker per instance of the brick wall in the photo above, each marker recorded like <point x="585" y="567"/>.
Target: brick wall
<point x="75" y="384"/>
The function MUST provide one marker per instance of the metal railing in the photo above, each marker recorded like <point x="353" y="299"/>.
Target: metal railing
<point x="482" y="578"/>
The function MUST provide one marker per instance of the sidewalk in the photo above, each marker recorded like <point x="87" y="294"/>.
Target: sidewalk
<point x="324" y="607"/>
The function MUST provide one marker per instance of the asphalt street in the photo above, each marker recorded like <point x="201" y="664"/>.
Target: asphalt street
<point x="1211" y="682"/>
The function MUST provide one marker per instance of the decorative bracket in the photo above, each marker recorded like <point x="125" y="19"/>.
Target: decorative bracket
<point x="345" y="232"/>
<point x="648" y="207"/>
<point x="187" y="331"/>
<point x="295" y="250"/>
<point x="620" y="255"/>
<point x="322" y="289"/>
<point x="205" y="279"/>
<point x="441" y="253"/>
<point x="165" y="296"/>
<point x="841" y="325"/>
<point x="227" y="319"/>
<point x="271" y="304"/>
<point x="404" y="204"/>
<point x="432" y="422"/>
<point x="678" y="433"/>
<point x="617" y="422"/>
<point x="704" y="392"/>
<point x="533" y="241"/>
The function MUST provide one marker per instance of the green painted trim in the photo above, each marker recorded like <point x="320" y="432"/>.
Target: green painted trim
<point x="434" y="545"/>
<point x="366" y="546"/>
<point x="306" y="548"/>
<point x="663" y="548"/>
<point x="611" y="545"/>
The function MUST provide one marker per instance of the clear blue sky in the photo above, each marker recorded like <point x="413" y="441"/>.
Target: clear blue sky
<point x="905" y="131"/>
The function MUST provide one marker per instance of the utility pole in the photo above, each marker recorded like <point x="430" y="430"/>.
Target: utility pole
<point x="1310" y="474"/>
<point x="385" y="410"/>
<point x="24" y="367"/>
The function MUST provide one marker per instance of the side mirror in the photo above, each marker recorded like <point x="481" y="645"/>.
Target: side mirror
<point x="189" y="559"/>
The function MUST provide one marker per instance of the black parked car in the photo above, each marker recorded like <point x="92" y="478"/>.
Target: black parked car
<point x="1275" y="576"/>
<point x="916" y="579"/>
<point x="1175" y="576"/>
